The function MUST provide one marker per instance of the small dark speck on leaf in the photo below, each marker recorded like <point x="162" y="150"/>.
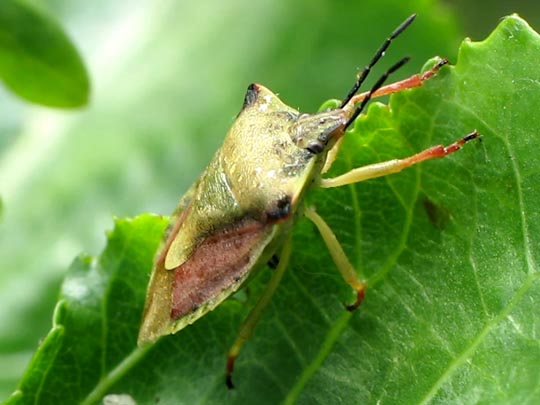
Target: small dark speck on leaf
<point x="438" y="215"/>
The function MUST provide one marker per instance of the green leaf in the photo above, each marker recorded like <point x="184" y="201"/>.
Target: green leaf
<point x="96" y="318"/>
<point x="448" y="248"/>
<point x="37" y="60"/>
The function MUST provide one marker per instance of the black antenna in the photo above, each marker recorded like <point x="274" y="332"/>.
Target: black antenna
<point x="375" y="87"/>
<point x="378" y="55"/>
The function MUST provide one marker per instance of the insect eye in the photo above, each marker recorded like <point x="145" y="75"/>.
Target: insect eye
<point x="323" y="138"/>
<point x="251" y="95"/>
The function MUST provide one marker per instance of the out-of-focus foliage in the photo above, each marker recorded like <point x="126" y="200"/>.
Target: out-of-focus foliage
<point x="37" y="60"/>
<point x="477" y="17"/>
<point x="168" y="78"/>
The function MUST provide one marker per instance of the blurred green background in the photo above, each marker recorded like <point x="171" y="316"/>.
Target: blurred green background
<point x="168" y="78"/>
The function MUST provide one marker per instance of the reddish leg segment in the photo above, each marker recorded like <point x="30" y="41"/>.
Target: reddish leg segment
<point x="409" y="83"/>
<point x="395" y="165"/>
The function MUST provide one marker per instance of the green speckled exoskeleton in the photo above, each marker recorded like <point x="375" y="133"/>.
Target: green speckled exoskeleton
<point x="238" y="215"/>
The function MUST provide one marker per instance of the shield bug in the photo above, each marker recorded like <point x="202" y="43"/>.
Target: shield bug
<point x="239" y="214"/>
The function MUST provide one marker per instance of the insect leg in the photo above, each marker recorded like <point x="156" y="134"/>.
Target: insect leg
<point x="332" y="155"/>
<point x="338" y="255"/>
<point x="395" y="165"/>
<point x="411" y="82"/>
<point x="273" y="262"/>
<point x="249" y="323"/>
<point x="416" y="80"/>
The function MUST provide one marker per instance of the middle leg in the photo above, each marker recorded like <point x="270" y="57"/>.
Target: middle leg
<point x="340" y="259"/>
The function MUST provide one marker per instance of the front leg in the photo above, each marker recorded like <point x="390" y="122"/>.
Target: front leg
<point x="416" y="80"/>
<point x="395" y="165"/>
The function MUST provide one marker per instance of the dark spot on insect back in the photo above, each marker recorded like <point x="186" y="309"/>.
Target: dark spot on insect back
<point x="438" y="215"/>
<point x="280" y="209"/>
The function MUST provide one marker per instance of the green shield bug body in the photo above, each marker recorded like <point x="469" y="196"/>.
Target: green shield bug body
<point x="239" y="214"/>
